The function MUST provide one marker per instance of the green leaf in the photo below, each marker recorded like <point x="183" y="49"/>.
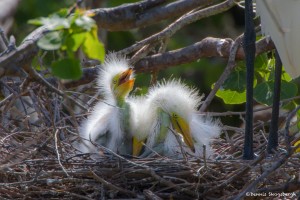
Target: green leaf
<point x="53" y="22"/>
<point x="92" y="47"/>
<point x="85" y="22"/>
<point x="236" y="81"/>
<point x="232" y="97"/>
<point x="262" y="66"/>
<point x="63" y="12"/>
<point x="74" y="41"/>
<point x="50" y="41"/>
<point x="263" y="92"/>
<point x="67" y="69"/>
<point x="285" y="76"/>
<point x="261" y="62"/>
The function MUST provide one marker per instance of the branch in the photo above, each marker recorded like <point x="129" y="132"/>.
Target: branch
<point x="180" y="23"/>
<point x="23" y="55"/>
<point x="141" y="14"/>
<point x="106" y="18"/>
<point x="208" y="47"/>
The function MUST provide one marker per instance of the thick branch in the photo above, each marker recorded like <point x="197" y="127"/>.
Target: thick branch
<point x="208" y="47"/>
<point x="9" y="63"/>
<point x="140" y="14"/>
<point x="145" y="13"/>
<point x="180" y="23"/>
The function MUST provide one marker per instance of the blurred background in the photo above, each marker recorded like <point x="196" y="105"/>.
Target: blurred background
<point x="201" y="74"/>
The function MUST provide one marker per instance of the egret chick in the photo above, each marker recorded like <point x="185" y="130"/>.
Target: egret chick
<point x="108" y="122"/>
<point x="172" y="109"/>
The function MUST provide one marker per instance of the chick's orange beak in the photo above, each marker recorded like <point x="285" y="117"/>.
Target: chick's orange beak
<point x="125" y="83"/>
<point x="125" y="76"/>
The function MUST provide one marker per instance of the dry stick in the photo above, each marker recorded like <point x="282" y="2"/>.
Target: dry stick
<point x="290" y="186"/>
<point x="268" y="172"/>
<point x="8" y="98"/>
<point x="179" y="141"/>
<point x="236" y="174"/>
<point x="180" y="23"/>
<point x="287" y="126"/>
<point x="117" y="155"/>
<point x="150" y="195"/>
<point x="75" y="195"/>
<point x="170" y="184"/>
<point x="52" y="88"/>
<point x="57" y="152"/>
<point x="14" y="161"/>
<point x="230" y="66"/>
<point x="144" y="51"/>
<point x="35" y="106"/>
<point x="277" y="164"/>
<point x="111" y="186"/>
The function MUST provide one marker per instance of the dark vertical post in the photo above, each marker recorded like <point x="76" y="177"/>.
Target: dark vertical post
<point x="273" y="136"/>
<point x="249" y="49"/>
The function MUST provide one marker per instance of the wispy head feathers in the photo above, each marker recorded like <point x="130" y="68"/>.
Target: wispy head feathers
<point x="175" y="96"/>
<point x="112" y="66"/>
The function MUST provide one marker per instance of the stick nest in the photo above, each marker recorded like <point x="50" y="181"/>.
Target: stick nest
<point x="39" y="159"/>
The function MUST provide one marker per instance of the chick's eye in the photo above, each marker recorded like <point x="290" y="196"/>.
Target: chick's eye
<point x="174" y="115"/>
<point x="114" y="82"/>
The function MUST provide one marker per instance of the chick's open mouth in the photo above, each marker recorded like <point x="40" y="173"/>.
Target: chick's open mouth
<point x="125" y="76"/>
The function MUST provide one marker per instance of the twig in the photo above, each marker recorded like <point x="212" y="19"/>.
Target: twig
<point x="57" y="152"/>
<point x="150" y="195"/>
<point x="170" y="184"/>
<point x="267" y="173"/>
<point x="230" y="66"/>
<point x="111" y="186"/>
<point x="52" y="88"/>
<point x="287" y="129"/>
<point x="180" y="143"/>
<point x="232" y="176"/>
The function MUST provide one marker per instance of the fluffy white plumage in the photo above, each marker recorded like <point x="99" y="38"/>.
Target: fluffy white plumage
<point x="280" y="20"/>
<point x="107" y="122"/>
<point x="141" y="115"/>
<point x="174" y="97"/>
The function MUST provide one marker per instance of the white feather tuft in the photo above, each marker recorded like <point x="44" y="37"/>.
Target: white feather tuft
<point x="142" y="116"/>
<point x="175" y="96"/>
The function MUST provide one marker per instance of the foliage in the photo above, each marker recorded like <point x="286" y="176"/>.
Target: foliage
<point x="233" y="90"/>
<point x="66" y="34"/>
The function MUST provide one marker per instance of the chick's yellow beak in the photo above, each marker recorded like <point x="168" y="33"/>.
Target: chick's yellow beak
<point x="137" y="147"/>
<point x="124" y="83"/>
<point x="183" y="128"/>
